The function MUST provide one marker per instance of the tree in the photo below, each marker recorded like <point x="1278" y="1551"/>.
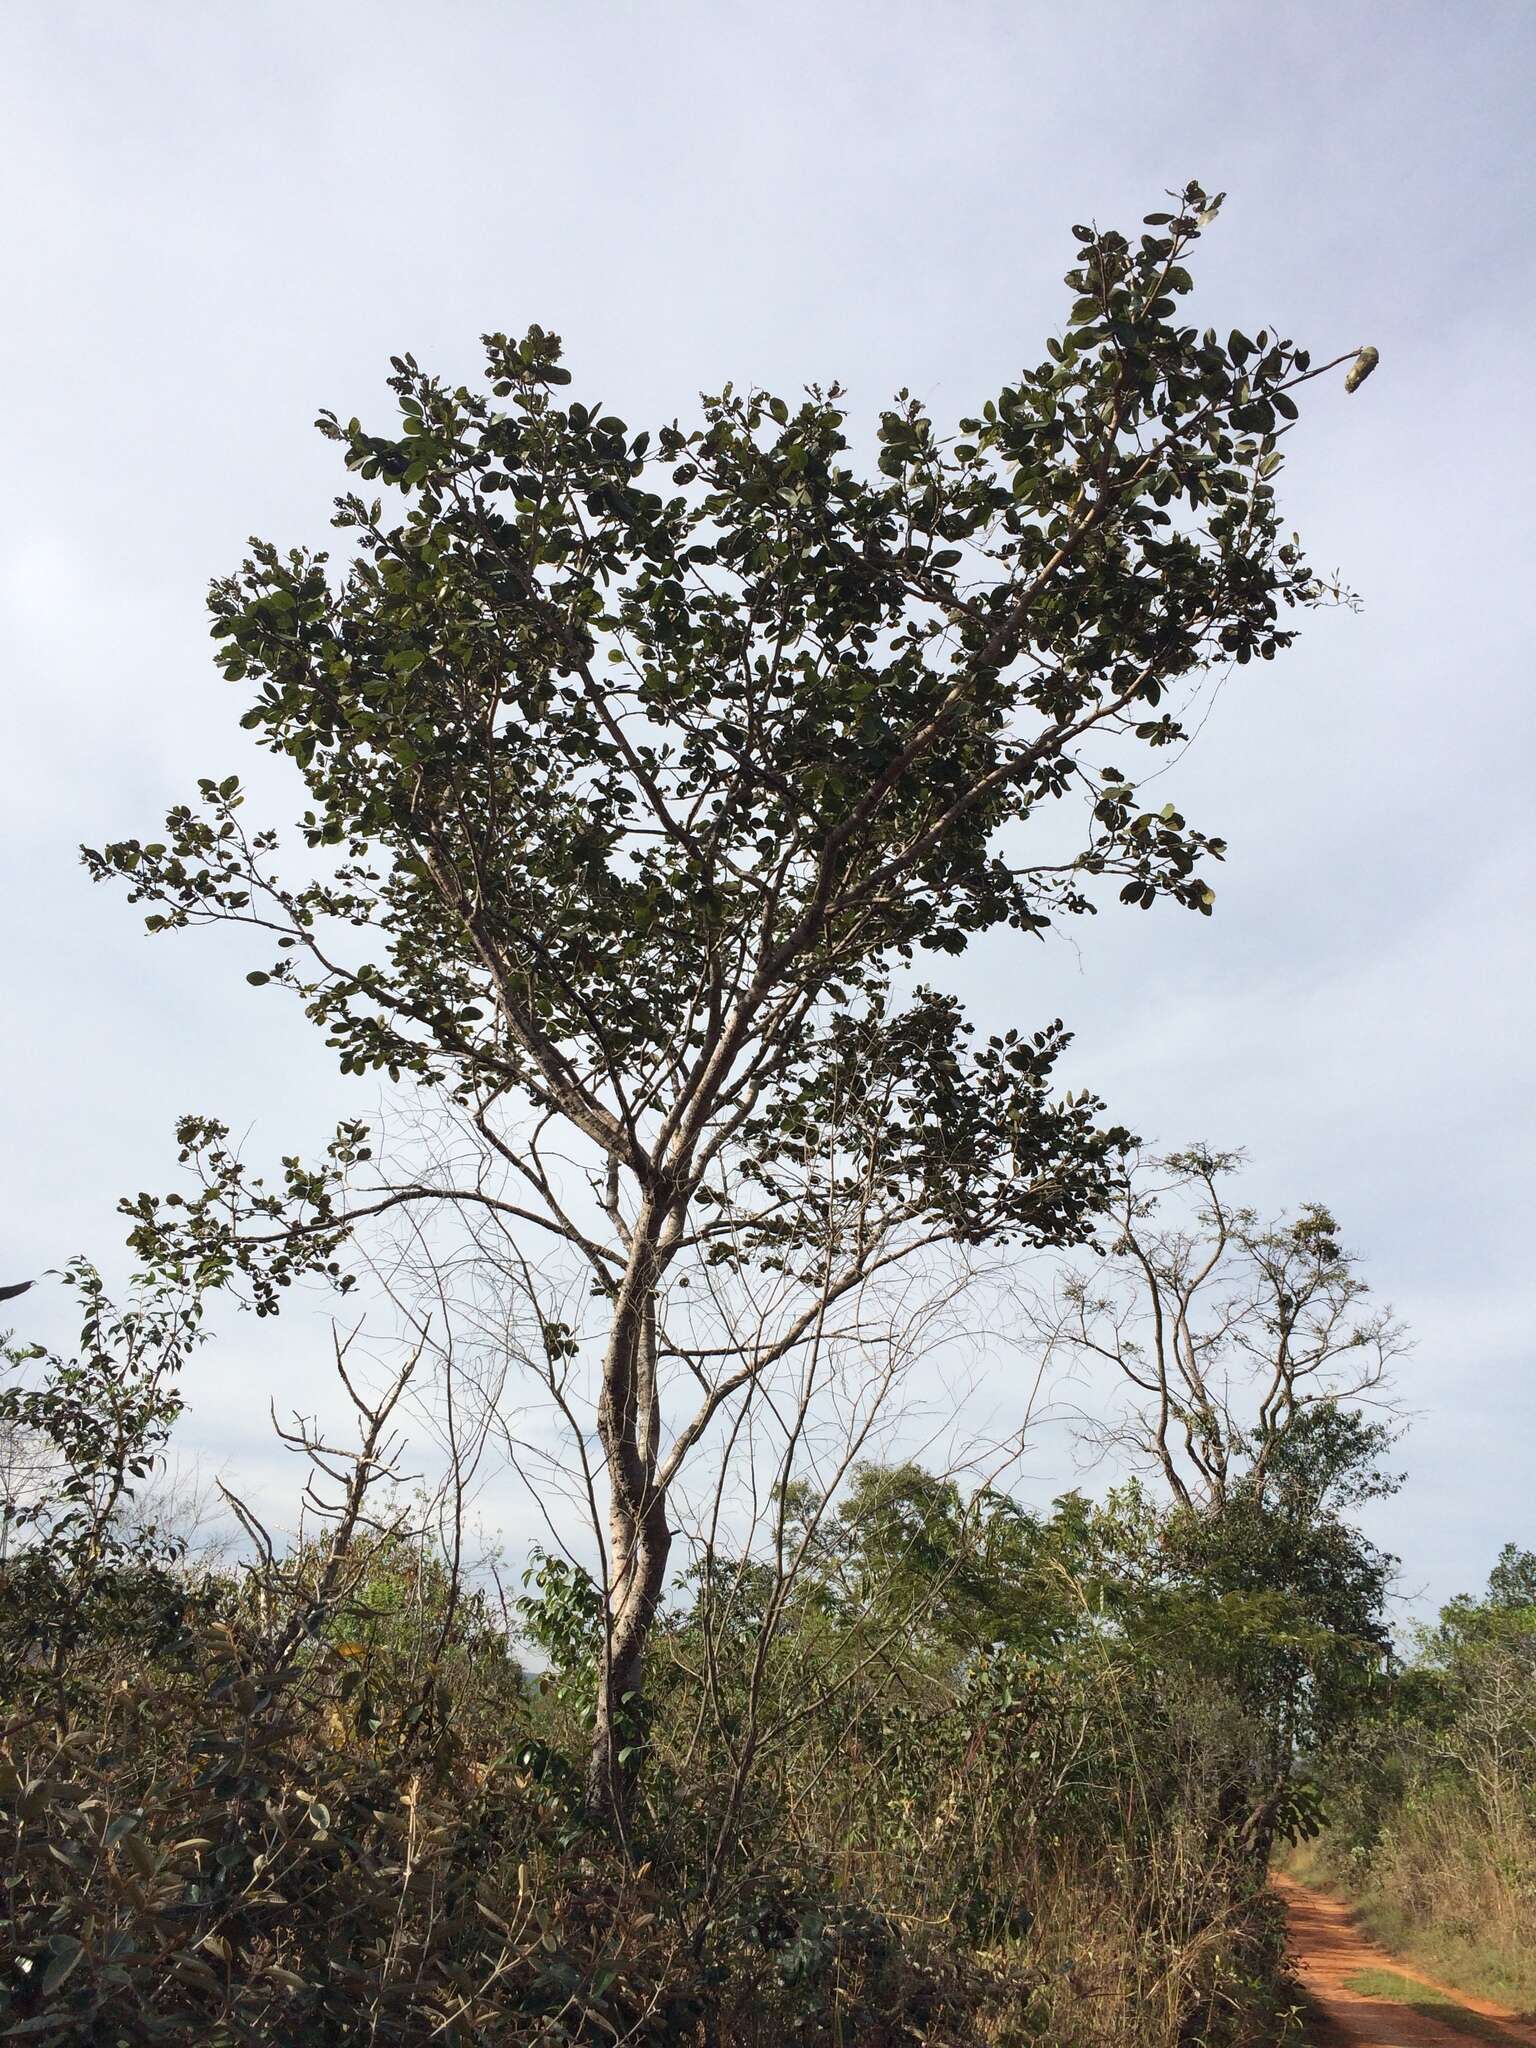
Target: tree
<point x="84" y="1436"/>
<point x="1512" y="1582"/>
<point x="1481" y="1661"/>
<point x="1234" y="1339"/>
<point x="1243" y="1349"/>
<point x="1279" y="1592"/>
<point x="641" y="767"/>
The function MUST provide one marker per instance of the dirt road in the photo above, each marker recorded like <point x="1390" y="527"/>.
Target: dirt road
<point x="1342" y="1972"/>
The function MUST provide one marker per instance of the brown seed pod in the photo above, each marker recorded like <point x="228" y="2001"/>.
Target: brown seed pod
<point x="1361" y="368"/>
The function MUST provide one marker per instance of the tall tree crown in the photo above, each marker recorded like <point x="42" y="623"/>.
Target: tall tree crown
<point x="648" y="760"/>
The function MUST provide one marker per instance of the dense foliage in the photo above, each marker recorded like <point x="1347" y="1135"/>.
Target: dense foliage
<point x="971" y="1774"/>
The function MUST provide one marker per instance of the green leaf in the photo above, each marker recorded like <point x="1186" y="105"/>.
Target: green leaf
<point x="66" y="1956"/>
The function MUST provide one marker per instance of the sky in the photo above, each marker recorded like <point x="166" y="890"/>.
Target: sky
<point x="219" y="219"/>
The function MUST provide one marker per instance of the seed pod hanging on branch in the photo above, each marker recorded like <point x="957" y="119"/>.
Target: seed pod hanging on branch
<point x="1361" y="368"/>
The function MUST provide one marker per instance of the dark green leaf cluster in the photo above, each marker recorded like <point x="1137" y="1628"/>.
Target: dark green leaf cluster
<point x="638" y="763"/>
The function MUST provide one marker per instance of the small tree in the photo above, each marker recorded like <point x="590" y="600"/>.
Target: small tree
<point x="1482" y="1662"/>
<point x="650" y="762"/>
<point x="73" y="1551"/>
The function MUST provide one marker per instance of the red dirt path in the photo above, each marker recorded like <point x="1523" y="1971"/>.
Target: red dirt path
<point x="1327" y="1949"/>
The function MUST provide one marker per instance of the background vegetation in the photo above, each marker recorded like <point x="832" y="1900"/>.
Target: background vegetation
<point x="964" y="1773"/>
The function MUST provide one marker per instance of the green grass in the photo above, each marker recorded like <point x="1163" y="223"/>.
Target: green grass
<point x="1387" y="1984"/>
<point x="1477" y="1966"/>
<point x="1467" y="1964"/>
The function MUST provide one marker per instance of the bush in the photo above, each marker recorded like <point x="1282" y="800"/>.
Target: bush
<point x="968" y="1775"/>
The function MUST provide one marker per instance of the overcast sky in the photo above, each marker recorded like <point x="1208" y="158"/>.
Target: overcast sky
<point x="219" y="218"/>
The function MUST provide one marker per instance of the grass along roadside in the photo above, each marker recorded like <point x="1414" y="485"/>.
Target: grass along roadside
<point x="1473" y="1964"/>
<point x="1422" y="1998"/>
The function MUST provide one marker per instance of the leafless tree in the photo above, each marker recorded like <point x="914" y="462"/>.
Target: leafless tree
<point x="1219" y="1329"/>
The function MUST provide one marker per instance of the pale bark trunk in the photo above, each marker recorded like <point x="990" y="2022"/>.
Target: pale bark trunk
<point x="640" y="1541"/>
<point x="611" y="1773"/>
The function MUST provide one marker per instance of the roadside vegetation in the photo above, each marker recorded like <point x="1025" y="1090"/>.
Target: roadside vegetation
<point x="927" y="1765"/>
<point x="1431" y="1803"/>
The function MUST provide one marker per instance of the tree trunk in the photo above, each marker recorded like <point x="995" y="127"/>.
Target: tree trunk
<point x="629" y="1426"/>
<point x="640" y="1570"/>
